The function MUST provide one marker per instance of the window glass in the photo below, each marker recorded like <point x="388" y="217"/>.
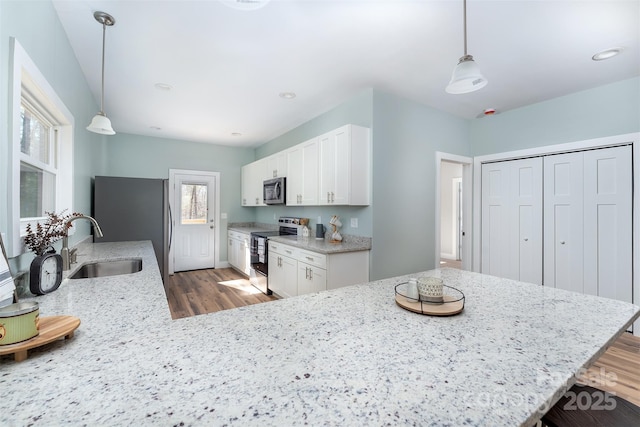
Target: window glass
<point x="37" y="191"/>
<point x="34" y="135"/>
<point x="194" y="204"/>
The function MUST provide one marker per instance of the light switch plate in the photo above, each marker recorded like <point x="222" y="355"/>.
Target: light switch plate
<point x="319" y="220"/>
<point x="354" y="222"/>
<point x="223" y="215"/>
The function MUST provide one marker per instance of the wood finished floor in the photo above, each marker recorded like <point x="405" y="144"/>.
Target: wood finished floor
<point x="190" y="293"/>
<point x="205" y="291"/>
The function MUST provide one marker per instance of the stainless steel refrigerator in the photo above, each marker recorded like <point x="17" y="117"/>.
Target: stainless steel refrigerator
<point x="130" y="209"/>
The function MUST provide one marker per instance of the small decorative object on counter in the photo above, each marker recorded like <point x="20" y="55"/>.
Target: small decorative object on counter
<point x="412" y="291"/>
<point x="430" y="290"/>
<point x="335" y="235"/>
<point x="45" y="274"/>
<point x="304" y="222"/>
<point x="452" y="300"/>
<point x="19" y="322"/>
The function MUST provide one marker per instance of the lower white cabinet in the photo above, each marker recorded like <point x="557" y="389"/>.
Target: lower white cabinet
<point x="311" y="279"/>
<point x="238" y="251"/>
<point x="294" y="271"/>
<point x="283" y="274"/>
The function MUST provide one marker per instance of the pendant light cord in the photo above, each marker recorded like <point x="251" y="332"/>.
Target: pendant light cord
<point x="465" y="27"/>
<point x="104" y="33"/>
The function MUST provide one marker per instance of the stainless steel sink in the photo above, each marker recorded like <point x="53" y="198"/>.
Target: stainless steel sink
<point x="108" y="268"/>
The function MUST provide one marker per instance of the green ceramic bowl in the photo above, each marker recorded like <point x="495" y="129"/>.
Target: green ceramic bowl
<point x="19" y="322"/>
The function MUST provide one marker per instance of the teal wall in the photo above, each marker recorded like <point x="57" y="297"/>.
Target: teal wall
<point x="612" y="109"/>
<point x="406" y="136"/>
<point x="36" y="26"/>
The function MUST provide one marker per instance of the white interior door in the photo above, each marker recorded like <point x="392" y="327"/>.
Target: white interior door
<point x="512" y="219"/>
<point x="563" y="219"/>
<point x="194" y="197"/>
<point x="608" y="241"/>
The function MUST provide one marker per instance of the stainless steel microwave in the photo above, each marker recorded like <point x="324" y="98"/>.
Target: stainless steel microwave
<point x="274" y="191"/>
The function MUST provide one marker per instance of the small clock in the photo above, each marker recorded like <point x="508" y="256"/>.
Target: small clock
<point x="45" y="274"/>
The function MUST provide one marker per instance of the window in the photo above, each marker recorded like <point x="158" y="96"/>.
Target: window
<point x="194" y="204"/>
<point x="41" y="150"/>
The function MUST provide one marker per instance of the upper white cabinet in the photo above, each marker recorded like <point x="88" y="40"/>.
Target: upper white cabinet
<point x="332" y="169"/>
<point x="253" y="176"/>
<point x="345" y="162"/>
<point x="302" y="173"/>
<point x="276" y="165"/>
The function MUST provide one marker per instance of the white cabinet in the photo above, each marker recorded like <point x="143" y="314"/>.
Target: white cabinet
<point x="333" y="169"/>
<point x="302" y="174"/>
<point x="283" y="270"/>
<point x="311" y="279"/>
<point x="345" y="166"/>
<point x="276" y="165"/>
<point x="238" y="251"/>
<point x="294" y="271"/>
<point x="253" y="176"/>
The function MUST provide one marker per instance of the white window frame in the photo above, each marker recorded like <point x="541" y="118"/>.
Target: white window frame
<point x="25" y="75"/>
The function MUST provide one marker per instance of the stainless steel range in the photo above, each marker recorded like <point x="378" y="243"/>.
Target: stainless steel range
<point x="288" y="226"/>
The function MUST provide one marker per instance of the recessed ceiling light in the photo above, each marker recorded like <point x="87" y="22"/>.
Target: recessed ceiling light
<point x="287" y="95"/>
<point x="236" y="134"/>
<point x="163" y="86"/>
<point x="607" y="53"/>
<point x="245" y="4"/>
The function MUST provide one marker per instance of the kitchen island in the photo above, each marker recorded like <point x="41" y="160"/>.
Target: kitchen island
<point x="348" y="356"/>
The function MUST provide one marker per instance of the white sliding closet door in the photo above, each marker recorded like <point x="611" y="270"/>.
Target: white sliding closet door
<point x="608" y="223"/>
<point x="588" y="222"/>
<point x="512" y="219"/>
<point x="563" y="219"/>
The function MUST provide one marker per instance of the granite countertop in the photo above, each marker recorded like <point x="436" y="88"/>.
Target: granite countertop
<point x="348" y="356"/>
<point x="251" y="227"/>
<point x="348" y="244"/>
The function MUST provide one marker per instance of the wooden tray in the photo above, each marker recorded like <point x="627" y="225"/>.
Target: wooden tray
<point x="451" y="306"/>
<point x="51" y="329"/>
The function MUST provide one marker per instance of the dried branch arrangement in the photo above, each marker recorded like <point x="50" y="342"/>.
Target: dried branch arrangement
<point x="54" y="228"/>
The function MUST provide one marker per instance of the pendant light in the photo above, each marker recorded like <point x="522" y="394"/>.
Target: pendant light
<point x="100" y="123"/>
<point x="466" y="75"/>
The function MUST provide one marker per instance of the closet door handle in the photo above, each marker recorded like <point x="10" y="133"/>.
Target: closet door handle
<point x="562" y="242"/>
<point x="526" y="239"/>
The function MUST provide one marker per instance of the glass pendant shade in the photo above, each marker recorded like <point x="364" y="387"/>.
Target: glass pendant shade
<point x="101" y="124"/>
<point x="466" y="77"/>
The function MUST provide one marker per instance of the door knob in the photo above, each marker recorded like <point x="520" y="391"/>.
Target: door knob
<point x="562" y="242"/>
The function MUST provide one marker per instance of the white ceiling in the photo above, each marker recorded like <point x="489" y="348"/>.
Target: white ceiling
<point x="227" y="67"/>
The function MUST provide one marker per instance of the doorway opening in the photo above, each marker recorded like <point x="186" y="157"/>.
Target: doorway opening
<point x="453" y="211"/>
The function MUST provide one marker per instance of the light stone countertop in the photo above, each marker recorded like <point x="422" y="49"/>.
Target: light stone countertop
<point x="348" y="356"/>
<point x="348" y="244"/>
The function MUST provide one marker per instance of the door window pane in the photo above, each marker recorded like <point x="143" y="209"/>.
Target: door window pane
<point x="37" y="191"/>
<point x="194" y="204"/>
<point x="34" y="136"/>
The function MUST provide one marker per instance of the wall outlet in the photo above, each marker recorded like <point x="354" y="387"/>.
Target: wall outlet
<point x="354" y="222"/>
<point x="319" y="220"/>
<point x="223" y="215"/>
<point x="274" y="216"/>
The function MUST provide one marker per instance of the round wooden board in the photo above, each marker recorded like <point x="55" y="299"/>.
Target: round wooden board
<point x="449" y="308"/>
<point x="51" y="329"/>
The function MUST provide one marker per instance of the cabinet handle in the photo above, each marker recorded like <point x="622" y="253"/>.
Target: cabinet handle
<point x="310" y="274"/>
<point x="328" y="197"/>
<point x="309" y="258"/>
<point x="244" y="201"/>
<point x="289" y="252"/>
<point x="526" y="239"/>
<point x="333" y="199"/>
<point x="306" y="272"/>
<point x="275" y="173"/>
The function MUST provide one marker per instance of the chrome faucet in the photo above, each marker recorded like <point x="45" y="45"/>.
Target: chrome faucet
<point x="69" y="256"/>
